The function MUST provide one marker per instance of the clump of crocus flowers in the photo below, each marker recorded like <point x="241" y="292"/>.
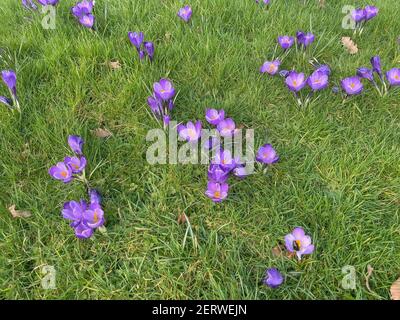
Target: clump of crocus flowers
<point x="161" y="102"/>
<point x="362" y="15"/>
<point x="374" y="75"/>
<point x="143" y="48"/>
<point x="83" y="12"/>
<point x="10" y="80"/>
<point x="85" y="217"/>
<point x="297" y="243"/>
<point x="185" y="13"/>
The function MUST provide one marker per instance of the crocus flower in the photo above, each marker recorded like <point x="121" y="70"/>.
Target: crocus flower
<point x="217" y="173"/>
<point x="149" y="47"/>
<point x="82" y="231"/>
<point x="82" y="8"/>
<point x="76" y="164"/>
<point x="93" y="217"/>
<point x="76" y="144"/>
<point x="226" y="127"/>
<point x="191" y="132"/>
<point x="211" y="143"/>
<point x="73" y="210"/>
<point x="295" y="81"/>
<point x="318" y="81"/>
<point x="273" y="278"/>
<point x="365" y="73"/>
<point x="352" y="85"/>
<point x="62" y="172"/>
<point x="87" y="20"/>
<point x="376" y="65"/>
<point x="225" y="160"/>
<point x="164" y="89"/>
<point x="266" y="154"/>
<point x="299" y="242"/>
<point x="358" y="15"/>
<point x="370" y="12"/>
<point x="393" y="77"/>
<point x="284" y="73"/>
<point x="325" y="69"/>
<point x="214" y="116"/>
<point x="10" y="79"/>
<point x="270" y="67"/>
<point x="185" y="13"/>
<point x="94" y="196"/>
<point x="155" y="105"/>
<point x="136" y="39"/>
<point x="285" y="42"/>
<point x="240" y="172"/>
<point x="29" y="4"/>
<point x="48" y="2"/>
<point x="305" y="39"/>
<point x="217" y="191"/>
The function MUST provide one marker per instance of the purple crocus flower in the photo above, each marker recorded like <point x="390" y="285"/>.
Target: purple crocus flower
<point x="10" y="79"/>
<point x="76" y="144"/>
<point x="82" y="8"/>
<point x="358" y="15"/>
<point x="270" y="67"/>
<point x="93" y="217"/>
<point x="284" y="73"/>
<point x="82" y="231"/>
<point x="226" y="127"/>
<point x="318" y="81"/>
<point x="285" y="42"/>
<point x="393" y="77"/>
<point x="76" y="164"/>
<point x="211" y="143"/>
<point x="48" y="2"/>
<point x="225" y="160"/>
<point x="299" y="242"/>
<point x="73" y="211"/>
<point x="217" y="191"/>
<point x="365" y="73"/>
<point x="273" y="278"/>
<point x="185" y="13"/>
<point x="136" y="39"/>
<point x="370" y="12"/>
<point x="305" y="39"/>
<point x="217" y="173"/>
<point x="62" y="172"/>
<point x="376" y="65"/>
<point x="295" y="81"/>
<point x="149" y="47"/>
<point x="87" y="20"/>
<point x="214" y="116"/>
<point x="352" y="85"/>
<point x="325" y="69"/>
<point x="266" y="154"/>
<point x="155" y="105"/>
<point x="94" y="196"/>
<point x="164" y="89"/>
<point x="191" y="132"/>
<point x="240" y="172"/>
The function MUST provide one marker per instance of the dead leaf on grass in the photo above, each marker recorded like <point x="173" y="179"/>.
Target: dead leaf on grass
<point x="19" y="213"/>
<point x="395" y="290"/>
<point x="350" y="45"/>
<point x="102" y="133"/>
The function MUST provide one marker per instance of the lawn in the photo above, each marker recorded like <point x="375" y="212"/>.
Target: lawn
<point x="338" y="176"/>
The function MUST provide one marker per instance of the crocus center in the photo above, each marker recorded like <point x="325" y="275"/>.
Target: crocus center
<point x="95" y="216"/>
<point x="397" y="77"/>
<point x="64" y="174"/>
<point x="75" y="166"/>
<point x="352" y="85"/>
<point x="217" y="194"/>
<point x="272" y="68"/>
<point x="265" y="154"/>
<point x="297" y="245"/>
<point x="295" y="83"/>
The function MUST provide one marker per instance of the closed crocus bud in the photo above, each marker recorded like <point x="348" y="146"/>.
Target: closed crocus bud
<point x="149" y="47"/>
<point x="136" y="39"/>
<point x="376" y="65"/>
<point x="370" y="12"/>
<point x="365" y="73"/>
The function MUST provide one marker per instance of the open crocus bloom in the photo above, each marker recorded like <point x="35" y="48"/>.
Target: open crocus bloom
<point x="299" y="242"/>
<point x="225" y="160"/>
<point x="185" y="13"/>
<point x="93" y="217"/>
<point x="393" y="77"/>
<point x="76" y="164"/>
<point x="61" y="171"/>
<point x="83" y="11"/>
<point x="214" y="116"/>
<point x="318" y="81"/>
<point x="267" y="154"/>
<point x="191" y="132"/>
<point x="164" y="90"/>
<point x="305" y="39"/>
<point x="273" y="278"/>
<point x="270" y="67"/>
<point x="73" y="210"/>
<point x="285" y="42"/>
<point x="217" y="173"/>
<point x="352" y="85"/>
<point x="226" y="127"/>
<point x="295" y="81"/>
<point x="217" y="191"/>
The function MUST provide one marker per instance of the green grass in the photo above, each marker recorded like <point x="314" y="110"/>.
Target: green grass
<point x="339" y="174"/>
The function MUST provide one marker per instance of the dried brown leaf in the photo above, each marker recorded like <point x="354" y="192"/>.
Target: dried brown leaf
<point x="19" y="213"/>
<point x="102" y="133"/>
<point x="368" y="276"/>
<point x="182" y="218"/>
<point x="350" y="45"/>
<point x="395" y="290"/>
<point x="114" y="65"/>
<point x="280" y="251"/>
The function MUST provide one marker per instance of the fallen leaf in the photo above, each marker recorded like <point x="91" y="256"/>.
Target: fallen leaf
<point x="114" y="65"/>
<point x="18" y="213"/>
<point x="369" y="274"/>
<point x="350" y="45"/>
<point x="395" y="290"/>
<point x="280" y="251"/>
<point x="102" y="133"/>
<point x="322" y="3"/>
<point x="182" y="218"/>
